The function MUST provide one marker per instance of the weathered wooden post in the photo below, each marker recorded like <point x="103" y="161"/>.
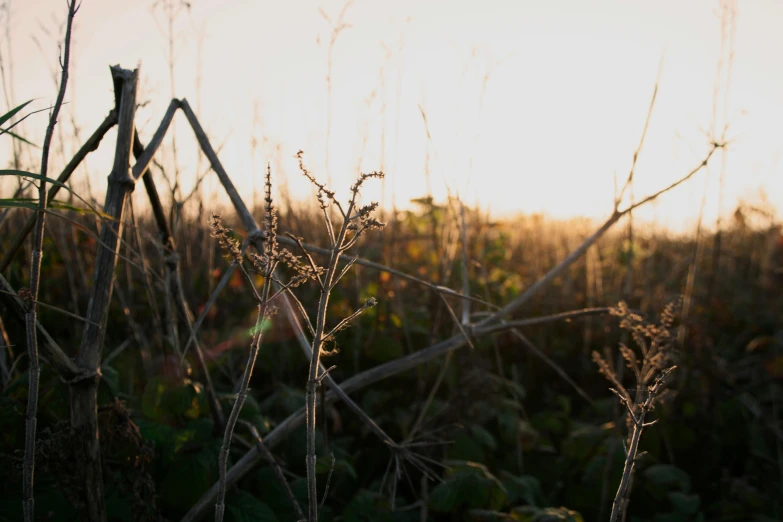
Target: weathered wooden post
<point x="84" y="389"/>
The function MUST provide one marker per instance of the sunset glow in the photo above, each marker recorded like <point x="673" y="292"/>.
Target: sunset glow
<point x="530" y="106"/>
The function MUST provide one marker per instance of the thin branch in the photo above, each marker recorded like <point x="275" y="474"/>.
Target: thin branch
<point x="714" y="146"/>
<point x="31" y="316"/>
<point x="347" y="320"/>
<point x="309" y="258"/>
<point x="629" y="180"/>
<point x="562" y="316"/>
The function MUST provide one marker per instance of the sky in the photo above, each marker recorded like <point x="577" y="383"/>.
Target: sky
<point x="513" y="105"/>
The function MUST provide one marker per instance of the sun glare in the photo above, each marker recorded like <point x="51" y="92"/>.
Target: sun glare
<point x="517" y="106"/>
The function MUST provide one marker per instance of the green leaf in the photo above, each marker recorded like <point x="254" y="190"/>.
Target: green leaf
<point x="484" y="437"/>
<point x="189" y="477"/>
<point x="465" y="448"/>
<point x="365" y="506"/>
<point x="299" y="489"/>
<point x="341" y="466"/>
<point x="185" y="400"/>
<point x="32" y="204"/>
<point x="290" y="399"/>
<point x="111" y="377"/>
<point x="118" y="508"/>
<point x="54" y="203"/>
<point x="683" y="503"/>
<point x="557" y="514"/>
<point x="549" y="422"/>
<point x="594" y="468"/>
<point x="668" y="477"/>
<point x="273" y="494"/>
<point x="523" y="487"/>
<point x="671" y="517"/>
<point x="583" y="441"/>
<point x="161" y="435"/>
<point x="152" y="398"/>
<point x="10" y="114"/>
<point x="241" y="506"/>
<point x="485" y="515"/>
<point x="758" y="445"/>
<point x="49" y="501"/>
<point x="471" y="485"/>
<point x="508" y="426"/>
<point x="170" y="399"/>
<point x="385" y="349"/>
<point x="23" y="140"/>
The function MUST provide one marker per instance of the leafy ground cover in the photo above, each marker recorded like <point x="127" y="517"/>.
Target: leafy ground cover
<point x="501" y="434"/>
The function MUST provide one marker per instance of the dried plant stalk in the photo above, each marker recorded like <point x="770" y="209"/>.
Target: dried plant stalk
<point x="267" y="268"/>
<point x="31" y="298"/>
<point x="355" y="221"/>
<point x="83" y="397"/>
<point x="620" y="503"/>
<point x="655" y="343"/>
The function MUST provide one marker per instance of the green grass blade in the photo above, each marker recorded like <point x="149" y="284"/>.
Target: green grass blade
<point x="24" y="140"/>
<point x="10" y="114"/>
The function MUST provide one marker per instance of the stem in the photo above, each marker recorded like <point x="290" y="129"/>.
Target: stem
<point x="220" y="505"/>
<point x="84" y="388"/>
<point x="31" y="420"/>
<point x="315" y="361"/>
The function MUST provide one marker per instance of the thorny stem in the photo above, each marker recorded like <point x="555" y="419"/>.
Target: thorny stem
<point x="28" y="500"/>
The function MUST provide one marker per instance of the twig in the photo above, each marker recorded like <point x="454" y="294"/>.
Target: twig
<point x="562" y="316"/>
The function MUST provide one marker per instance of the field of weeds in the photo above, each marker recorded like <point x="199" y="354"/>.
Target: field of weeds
<point x="349" y="362"/>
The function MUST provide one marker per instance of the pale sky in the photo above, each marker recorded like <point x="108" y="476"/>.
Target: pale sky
<point x="532" y="106"/>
